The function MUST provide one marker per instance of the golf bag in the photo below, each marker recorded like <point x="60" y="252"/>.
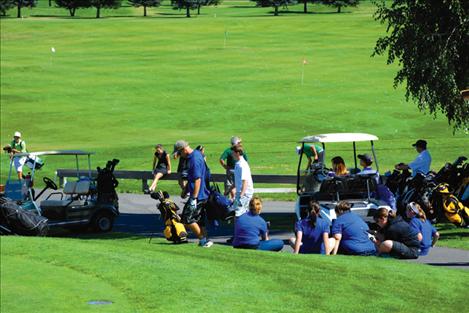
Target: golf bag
<point x="456" y="212"/>
<point x="15" y="220"/>
<point x="219" y="207"/>
<point x="174" y="230"/>
<point x="107" y="184"/>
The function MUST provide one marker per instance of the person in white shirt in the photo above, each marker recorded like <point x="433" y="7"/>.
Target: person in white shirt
<point x="243" y="181"/>
<point x="422" y="162"/>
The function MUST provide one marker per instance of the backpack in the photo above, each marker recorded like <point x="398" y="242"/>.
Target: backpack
<point x="456" y="212"/>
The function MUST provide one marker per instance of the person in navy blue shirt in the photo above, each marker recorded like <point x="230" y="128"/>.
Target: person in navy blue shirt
<point x="397" y="238"/>
<point x="426" y="233"/>
<point x="351" y="232"/>
<point x="312" y="233"/>
<point x="193" y="213"/>
<point x="251" y="230"/>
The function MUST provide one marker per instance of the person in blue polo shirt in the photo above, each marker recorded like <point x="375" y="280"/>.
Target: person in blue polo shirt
<point x="426" y="233"/>
<point x="312" y="233"/>
<point x="251" y="230"/>
<point x="350" y="232"/>
<point x="193" y="213"/>
<point x="422" y="162"/>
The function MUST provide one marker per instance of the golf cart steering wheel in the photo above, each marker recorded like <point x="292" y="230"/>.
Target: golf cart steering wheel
<point x="49" y="183"/>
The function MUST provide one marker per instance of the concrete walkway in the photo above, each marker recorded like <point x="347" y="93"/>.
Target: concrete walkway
<point x="139" y="215"/>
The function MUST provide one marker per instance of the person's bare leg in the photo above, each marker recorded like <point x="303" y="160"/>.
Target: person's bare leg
<point x="20" y="175"/>
<point x="385" y="246"/>
<point x="155" y="181"/>
<point x="196" y="230"/>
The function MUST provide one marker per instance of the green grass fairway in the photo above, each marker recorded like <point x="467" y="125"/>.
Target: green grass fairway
<point x="453" y="237"/>
<point x="62" y="275"/>
<point x="123" y="83"/>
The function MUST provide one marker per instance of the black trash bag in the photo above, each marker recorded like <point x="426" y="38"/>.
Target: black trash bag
<point x="21" y="222"/>
<point x="107" y="184"/>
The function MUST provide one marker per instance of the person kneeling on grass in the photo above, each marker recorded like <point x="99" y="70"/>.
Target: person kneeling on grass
<point x="250" y="226"/>
<point x="312" y="233"/>
<point x="399" y="240"/>
<point x="351" y="232"/>
<point x="426" y="233"/>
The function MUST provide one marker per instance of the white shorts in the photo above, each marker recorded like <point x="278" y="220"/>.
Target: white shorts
<point x="19" y="162"/>
<point x="242" y="206"/>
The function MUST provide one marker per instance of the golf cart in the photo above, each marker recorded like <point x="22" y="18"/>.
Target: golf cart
<point x="319" y="183"/>
<point x="82" y="202"/>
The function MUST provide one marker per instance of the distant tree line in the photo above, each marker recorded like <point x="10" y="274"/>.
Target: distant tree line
<point x="186" y="5"/>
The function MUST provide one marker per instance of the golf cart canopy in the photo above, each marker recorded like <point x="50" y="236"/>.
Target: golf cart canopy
<point x="57" y="152"/>
<point x="339" y="137"/>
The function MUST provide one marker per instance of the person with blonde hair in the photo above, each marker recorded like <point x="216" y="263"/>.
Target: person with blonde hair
<point x="426" y="233"/>
<point x="251" y="230"/>
<point x="338" y="166"/>
<point x="312" y="233"/>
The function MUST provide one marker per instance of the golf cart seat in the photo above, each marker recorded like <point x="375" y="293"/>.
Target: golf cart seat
<point x="73" y="189"/>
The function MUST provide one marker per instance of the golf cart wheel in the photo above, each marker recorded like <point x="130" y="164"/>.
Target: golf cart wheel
<point x="103" y="222"/>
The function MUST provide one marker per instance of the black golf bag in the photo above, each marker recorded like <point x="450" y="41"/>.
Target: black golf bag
<point x="107" y="183"/>
<point x="16" y="221"/>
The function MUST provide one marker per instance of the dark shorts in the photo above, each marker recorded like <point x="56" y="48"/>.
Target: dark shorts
<point x="401" y="251"/>
<point x="161" y="170"/>
<point x="194" y="215"/>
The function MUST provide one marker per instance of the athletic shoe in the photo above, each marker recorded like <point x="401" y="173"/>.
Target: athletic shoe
<point x="205" y="243"/>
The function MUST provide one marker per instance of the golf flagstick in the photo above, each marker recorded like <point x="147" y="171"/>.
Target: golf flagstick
<point x="303" y="71"/>
<point x="224" y="41"/>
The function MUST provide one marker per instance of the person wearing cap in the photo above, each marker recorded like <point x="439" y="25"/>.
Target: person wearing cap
<point x="422" y="162"/>
<point x="399" y="240"/>
<point x="365" y="163"/>
<point x="314" y="153"/>
<point x="228" y="163"/>
<point x="193" y="213"/>
<point x="426" y="233"/>
<point x="350" y="232"/>
<point x="18" y="145"/>
<point x="161" y="165"/>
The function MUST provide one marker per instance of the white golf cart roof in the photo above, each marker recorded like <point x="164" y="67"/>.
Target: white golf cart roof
<point x="57" y="152"/>
<point x="339" y="137"/>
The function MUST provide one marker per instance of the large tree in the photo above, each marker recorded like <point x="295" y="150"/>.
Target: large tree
<point x="341" y="3"/>
<point x="6" y="5"/>
<point x="23" y="3"/>
<point x="274" y="3"/>
<point x="187" y="5"/>
<point x="72" y="5"/>
<point x="430" y="41"/>
<point x="145" y="4"/>
<point x="107" y="4"/>
<point x="201" y="3"/>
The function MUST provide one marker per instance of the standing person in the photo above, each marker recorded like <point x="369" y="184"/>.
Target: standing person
<point x="183" y="168"/>
<point x="399" y="239"/>
<point x="228" y="163"/>
<point x="422" y="162"/>
<point x="426" y="233"/>
<point x="350" y="232"/>
<point x="193" y="213"/>
<point x="251" y="230"/>
<point x="243" y="181"/>
<point x="312" y="233"/>
<point x="314" y="153"/>
<point x="17" y="146"/>
<point x="161" y="165"/>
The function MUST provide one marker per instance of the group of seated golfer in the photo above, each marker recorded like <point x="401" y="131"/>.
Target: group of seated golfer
<point x="391" y="235"/>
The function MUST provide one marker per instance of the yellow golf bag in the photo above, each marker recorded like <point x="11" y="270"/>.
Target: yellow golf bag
<point x="455" y="211"/>
<point x="174" y="230"/>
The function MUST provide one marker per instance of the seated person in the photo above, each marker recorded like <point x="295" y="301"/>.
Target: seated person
<point x="338" y="167"/>
<point x="250" y="226"/>
<point x="398" y="239"/>
<point x="422" y="162"/>
<point x="426" y="233"/>
<point x="350" y="232"/>
<point x="365" y="163"/>
<point x="312" y="233"/>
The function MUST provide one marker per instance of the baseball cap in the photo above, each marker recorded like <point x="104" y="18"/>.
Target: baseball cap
<point x="420" y="143"/>
<point x="17" y="134"/>
<point x="298" y="150"/>
<point x="235" y="140"/>
<point x="365" y="157"/>
<point x="179" y="145"/>
<point x="412" y="206"/>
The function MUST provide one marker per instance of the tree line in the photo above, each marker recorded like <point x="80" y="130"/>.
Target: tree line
<point x="186" y="5"/>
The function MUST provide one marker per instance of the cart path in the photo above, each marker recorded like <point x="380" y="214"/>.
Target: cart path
<point x="139" y="215"/>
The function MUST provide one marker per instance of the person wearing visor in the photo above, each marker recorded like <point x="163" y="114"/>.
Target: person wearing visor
<point x="426" y="233"/>
<point x="17" y="145"/>
<point x="422" y="162"/>
<point x="193" y="214"/>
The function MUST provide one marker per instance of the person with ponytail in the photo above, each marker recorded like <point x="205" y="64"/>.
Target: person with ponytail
<point x="312" y="233"/>
<point x="427" y="234"/>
